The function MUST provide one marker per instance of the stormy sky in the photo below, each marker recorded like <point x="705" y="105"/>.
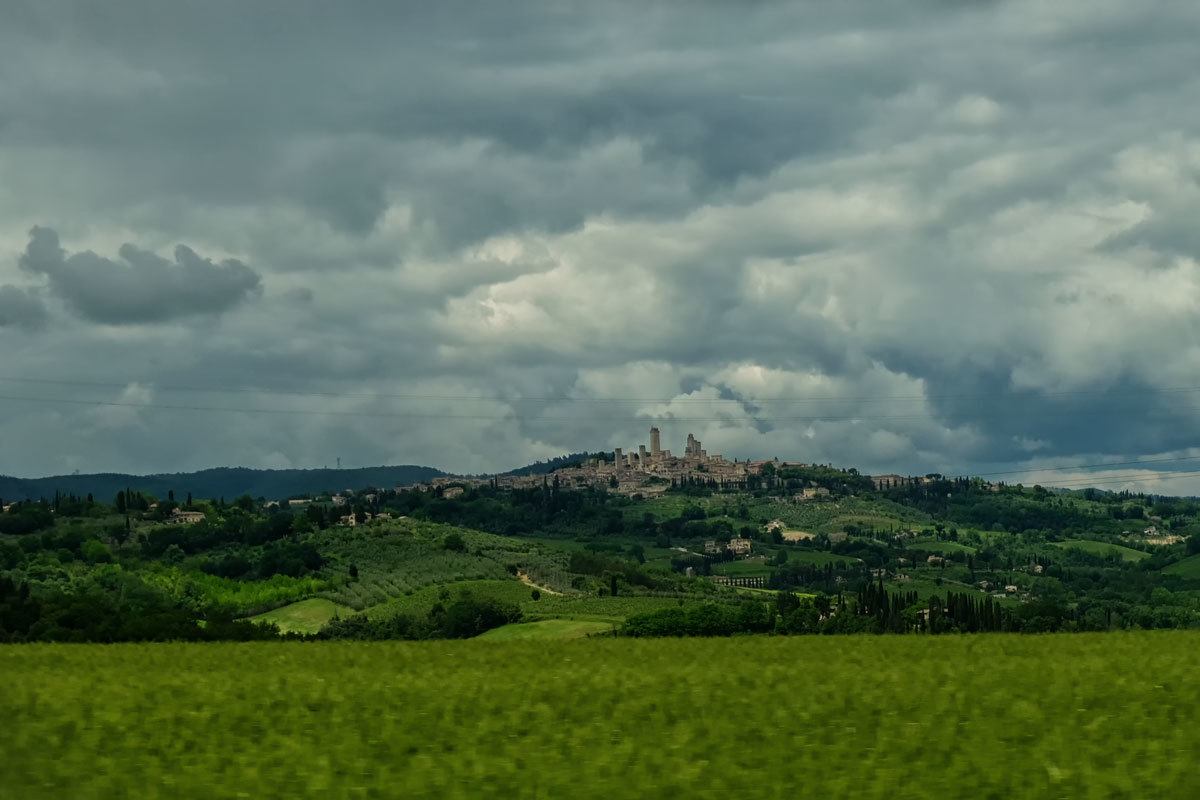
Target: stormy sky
<point x="911" y="236"/>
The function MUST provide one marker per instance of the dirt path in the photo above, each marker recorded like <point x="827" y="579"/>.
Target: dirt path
<point x="526" y="580"/>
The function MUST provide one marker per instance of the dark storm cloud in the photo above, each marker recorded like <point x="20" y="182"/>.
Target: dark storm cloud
<point x="233" y="123"/>
<point x="142" y="286"/>
<point x="21" y="308"/>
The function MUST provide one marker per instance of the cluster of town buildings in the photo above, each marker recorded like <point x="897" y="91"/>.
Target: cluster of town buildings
<point x="649" y="469"/>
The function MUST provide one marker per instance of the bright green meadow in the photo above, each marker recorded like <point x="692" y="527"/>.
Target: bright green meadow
<point x="305" y="616"/>
<point x="1104" y="548"/>
<point x="994" y="717"/>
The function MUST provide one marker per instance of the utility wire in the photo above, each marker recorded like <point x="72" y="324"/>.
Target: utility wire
<point x="1103" y="478"/>
<point x="548" y="399"/>
<point x="1158" y="475"/>
<point x="1096" y="465"/>
<point x="1140" y="413"/>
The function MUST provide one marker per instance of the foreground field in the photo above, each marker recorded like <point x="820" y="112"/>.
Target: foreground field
<point x="1072" y="716"/>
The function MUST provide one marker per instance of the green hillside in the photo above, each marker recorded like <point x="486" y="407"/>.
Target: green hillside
<point x="1187" y="568"/>
<point x="595" y="556"/>
<point x="230" y="482"/>
<point x="1104" y="548"/>
<point x="304" y="616"/>
<point x="940" y="548"/>
<point x="545" y="629"/>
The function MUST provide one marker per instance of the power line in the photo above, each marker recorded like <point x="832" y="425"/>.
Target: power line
<point x="1133" y="478"/>
<point x="1097" y="465"/>
<point x="531" y="418"/>
<point x="548" y="399"/>
<point x="1158" y="475"/>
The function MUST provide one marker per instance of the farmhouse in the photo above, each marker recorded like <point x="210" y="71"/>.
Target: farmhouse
<point x="739" y="547"/>
<point x="185" y="517"/>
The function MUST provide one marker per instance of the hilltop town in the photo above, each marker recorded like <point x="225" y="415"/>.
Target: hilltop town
<point x="648" y="470"/>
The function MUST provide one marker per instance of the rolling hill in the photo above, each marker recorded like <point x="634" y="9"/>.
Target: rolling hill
<point x="228" y="482"/>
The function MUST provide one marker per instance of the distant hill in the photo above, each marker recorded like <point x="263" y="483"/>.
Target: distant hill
<point x="546" y="467"/>
<point x="227" y="482"/>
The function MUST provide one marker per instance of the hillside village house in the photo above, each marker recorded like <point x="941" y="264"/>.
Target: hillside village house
<point x="740" y="547"/>
<point x="185" y="517"/>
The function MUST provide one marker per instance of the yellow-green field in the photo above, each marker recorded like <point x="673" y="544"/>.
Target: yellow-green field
<point x="545" y="629"/>
<point x="305" y="616"/>
<point x="1067" y="716"/>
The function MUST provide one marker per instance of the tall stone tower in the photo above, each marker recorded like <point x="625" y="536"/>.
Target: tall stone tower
<point x="655" y="443"/>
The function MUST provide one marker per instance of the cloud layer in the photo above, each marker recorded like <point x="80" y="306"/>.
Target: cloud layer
<point x="920" y="237"/>
<point x="21" y="308"/>
<point x="142" y="286"/>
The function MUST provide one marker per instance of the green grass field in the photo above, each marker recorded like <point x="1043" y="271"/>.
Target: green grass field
<point x="925" y="585"/>
<point x="940" y="548"/>
<point x="903" y="718"/>
<point x="1104" y="548"/>
<point x="758" y="567"/>
<point x="545" y="629"/>
<point x="548" y="606"/>
<point x="818" y="557"/>
<point x="746" y="568"/>
<point x="1187" y="568"/>
<point x="421" y="601"/>
<point x="612" y="609"/>
<point x="306" y="616"/>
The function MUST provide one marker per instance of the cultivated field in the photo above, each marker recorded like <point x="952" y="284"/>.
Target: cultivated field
<point x="1055" y="716"/>
<point x="1104" y="548"/>
<point x="306" y="616"/>
<point x="1187" y="568"/>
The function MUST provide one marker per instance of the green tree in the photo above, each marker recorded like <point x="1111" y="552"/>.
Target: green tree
<point x="95" y="552"/>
